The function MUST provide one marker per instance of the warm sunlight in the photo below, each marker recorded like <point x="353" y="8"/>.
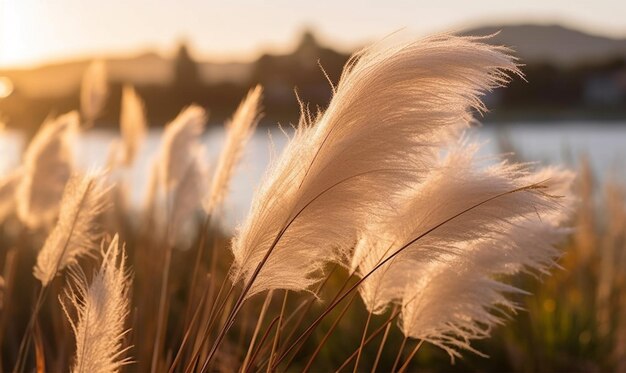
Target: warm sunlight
<point x="241" y="30"/>
<point x="6" y="87"/>
<point x="312" y="186"/>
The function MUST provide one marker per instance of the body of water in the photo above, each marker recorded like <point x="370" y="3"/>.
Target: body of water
<point x="604" y="144"/>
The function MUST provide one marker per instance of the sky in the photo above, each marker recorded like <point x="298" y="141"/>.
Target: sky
<point x="35" y="32"/>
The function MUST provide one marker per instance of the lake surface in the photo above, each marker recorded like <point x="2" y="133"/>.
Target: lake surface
<point x="559" y="144"/>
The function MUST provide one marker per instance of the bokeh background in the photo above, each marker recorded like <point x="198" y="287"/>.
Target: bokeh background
<point x="570" y="109"/>
<point x="572" y="102"/>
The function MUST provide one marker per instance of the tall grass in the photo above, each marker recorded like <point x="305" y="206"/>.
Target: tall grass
<point x="378" y="213"/>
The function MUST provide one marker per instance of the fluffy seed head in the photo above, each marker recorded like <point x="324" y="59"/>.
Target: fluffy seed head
<point x="392" y="109"/>
<point x="102" y="308"/>
<point x="76" y="232"/>
<point x="132" y="123"/>
<point x="47" y="165"/>
<point x="238" y="132"/>
<point x="94" y="90"/>
<point x="8" y="184"/>
<point x="180" y="143"/>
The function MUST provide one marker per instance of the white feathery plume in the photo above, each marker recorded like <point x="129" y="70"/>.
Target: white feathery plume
<point x="455" y="185"/>
<point x="238" y="132"/>
<point x="470" y="229"/>
<point x="393" y="108"/>
<point x="151" y="190"/>
<point x="94" y="90"/>
<point x="8" y="184"/>
<point x="187" y="196"/>
<point x="182" y="172"/>
<point x="115" y="153"/>
<point x="180" y="144"/>
<point x="451" y="302"/>
<point x="132" y="123"/>
<point x="76" y="231"/>
<point x="456" y="298"/>
<point x="102" y="309"/>
<point x="47" y="165"/>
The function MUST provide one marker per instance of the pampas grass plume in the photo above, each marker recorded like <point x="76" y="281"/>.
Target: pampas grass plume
<point x="47" y="165"/>
<point x="453" y="290"/>
<point x="456" y="184"/>
<point x="132" y="123"/>
<point x="337" y="173"/>
<point x="187" y="196"/>
<point x="75" y="232"/>
<point x="8" y="184"/>
<point x="238" y="132"/>
<point x="102" y="308"/>
<point x="94" y="90"/>
<point x="180" y="144"/>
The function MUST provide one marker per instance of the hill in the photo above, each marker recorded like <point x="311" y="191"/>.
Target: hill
<point x="553" y="44"/>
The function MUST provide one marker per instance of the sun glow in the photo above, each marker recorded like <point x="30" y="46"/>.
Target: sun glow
<point x="6" y="87"/>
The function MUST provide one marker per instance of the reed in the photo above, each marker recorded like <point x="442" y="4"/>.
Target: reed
<point x="379" y="239"/>
<point x="102" y="307"/>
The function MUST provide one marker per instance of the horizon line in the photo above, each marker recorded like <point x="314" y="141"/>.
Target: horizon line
<point x="247" y="57"/>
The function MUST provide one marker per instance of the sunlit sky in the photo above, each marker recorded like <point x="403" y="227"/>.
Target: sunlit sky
<point x="38" y="31"/>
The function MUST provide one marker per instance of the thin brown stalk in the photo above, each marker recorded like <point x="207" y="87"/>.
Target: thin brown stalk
<point x="405" y="366"/>
<point x="302" y="310"/>
<point x="240" y="301"/>
<point x="209" y="318"/>
<point x="9" y="277"/>
<point x="307" y="306"/>
<point x="196" y="267"/>
<point x="343" y="286"/>
<point x="223" y="316"/>
<point x="209" y="298"/>
<point x="162" y="312"/>
<point x="399" y="355"/>
<point x="179" y="354"/>
<point x="162" y="317"/>
<point x="40" y="356"/>
<point x="382" y="343"/>
<point x="277" y="335"/>
<point x="257" y="329"/>
<point x="221" y="289"/>
<point x="213" y="317"/>
<point x="384" y="326"/>
<point x="328" y="333"/>
<point x="358" y="356"/>
<point x="205" y="335"/>
<point x="24" y="345"/>
<point x="262" y="342"/>
<point x="246" y="320"/>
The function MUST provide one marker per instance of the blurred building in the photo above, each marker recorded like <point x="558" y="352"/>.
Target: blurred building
<point x="584" y="77"/>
